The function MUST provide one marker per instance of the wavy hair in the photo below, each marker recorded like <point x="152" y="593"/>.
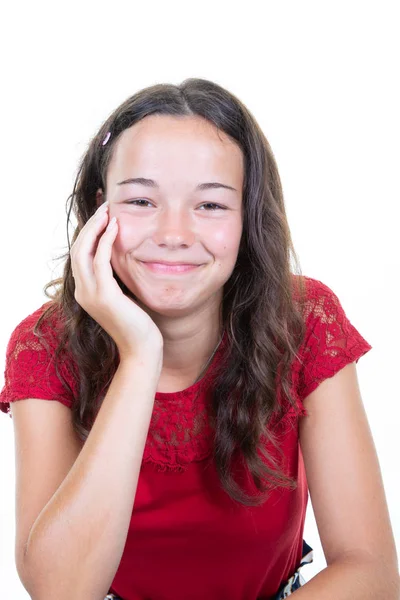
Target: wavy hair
<point x="260" y="311"/>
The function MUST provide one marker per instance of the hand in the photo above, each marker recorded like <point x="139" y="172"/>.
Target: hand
<point x="99" y="294"/>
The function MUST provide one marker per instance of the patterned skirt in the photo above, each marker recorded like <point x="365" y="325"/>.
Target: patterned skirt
<point x="291" y="585"/>
<point x="296" y="580"/>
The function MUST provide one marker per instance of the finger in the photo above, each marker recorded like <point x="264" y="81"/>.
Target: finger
<point x="103" y="209"/>
<point x="84" y="249"/>
<point x="92" y="221"/>
<point x="102" y="260"/>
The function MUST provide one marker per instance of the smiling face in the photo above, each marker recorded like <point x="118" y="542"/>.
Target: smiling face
<point x="173" y="219"/>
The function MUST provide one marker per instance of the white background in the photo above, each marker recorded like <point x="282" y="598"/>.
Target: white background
<point x="321" y="78"/>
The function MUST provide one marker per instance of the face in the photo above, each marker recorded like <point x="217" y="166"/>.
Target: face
<point x="172" y="219"/>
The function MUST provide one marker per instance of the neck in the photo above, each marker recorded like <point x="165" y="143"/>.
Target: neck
<point x="189" y="348"/>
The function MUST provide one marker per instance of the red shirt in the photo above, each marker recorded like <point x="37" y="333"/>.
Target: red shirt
<point x="187" y="538"/>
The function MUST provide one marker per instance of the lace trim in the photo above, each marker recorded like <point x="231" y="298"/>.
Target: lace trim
<point x="331" y="340"/>
<point x="179" y="431"/>
<point x="29" y="373"/>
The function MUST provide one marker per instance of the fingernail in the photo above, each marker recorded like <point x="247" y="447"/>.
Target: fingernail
<point x="111" y="223"/>
<point x="102" y="206"/>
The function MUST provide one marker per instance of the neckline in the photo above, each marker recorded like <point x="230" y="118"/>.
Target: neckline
<point x="192" y="389"/>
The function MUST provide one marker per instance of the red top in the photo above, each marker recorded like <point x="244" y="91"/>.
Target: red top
<point x="187" y="538"/>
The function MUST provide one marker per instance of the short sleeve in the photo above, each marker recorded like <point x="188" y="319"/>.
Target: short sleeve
<point x="30" y="369"/>
<point x="331" y="340"/>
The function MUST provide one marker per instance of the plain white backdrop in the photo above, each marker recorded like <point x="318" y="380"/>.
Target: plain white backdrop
<point x="321" y="78"/>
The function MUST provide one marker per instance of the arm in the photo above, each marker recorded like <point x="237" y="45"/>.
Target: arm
<point x="351" y="578"/>
<point x="347" y="496"/>
<point x="76" y="543"/>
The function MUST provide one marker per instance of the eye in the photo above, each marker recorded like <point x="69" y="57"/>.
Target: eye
<point x="148" y="202"/>
<point x="212" y="204"/>
<point x="138" y="200"/>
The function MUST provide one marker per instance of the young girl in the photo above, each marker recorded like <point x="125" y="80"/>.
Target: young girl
<point x="199" y="387"/>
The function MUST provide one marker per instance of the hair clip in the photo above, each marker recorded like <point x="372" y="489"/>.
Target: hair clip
<point x="106" y="138"/>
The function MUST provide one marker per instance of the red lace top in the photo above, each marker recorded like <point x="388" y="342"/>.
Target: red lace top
<point x="187" y="538"/>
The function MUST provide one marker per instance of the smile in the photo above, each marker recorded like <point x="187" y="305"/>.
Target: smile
<point x="170" y="269"/>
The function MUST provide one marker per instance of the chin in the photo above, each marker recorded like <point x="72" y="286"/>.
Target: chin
<point x="170" y="301"/>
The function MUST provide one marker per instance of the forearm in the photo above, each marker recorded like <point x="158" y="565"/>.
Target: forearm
<point x="352" y="579"/>
<point x="77" y="541"/>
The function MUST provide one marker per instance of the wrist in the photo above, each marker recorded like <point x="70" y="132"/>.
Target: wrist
<point x="150" y="353"/>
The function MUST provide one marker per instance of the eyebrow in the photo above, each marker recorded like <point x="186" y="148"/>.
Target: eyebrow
<point x="151" y="183"/>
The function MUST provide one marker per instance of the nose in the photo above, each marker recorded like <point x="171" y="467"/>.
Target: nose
<point x="175" y="228"/>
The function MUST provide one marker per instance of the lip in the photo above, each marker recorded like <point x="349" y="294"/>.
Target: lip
<point x="170" y="268"/>
<point x="167" y="262"/>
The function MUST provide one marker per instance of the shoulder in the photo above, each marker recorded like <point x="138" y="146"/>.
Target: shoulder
<point x="35" y="338"/>
<point x="324" y="315"/>
<point x="314" y="296"/>
<point x="24" y="330"/>
<point x="32" y="365"/>
<point x="331" y="341"/>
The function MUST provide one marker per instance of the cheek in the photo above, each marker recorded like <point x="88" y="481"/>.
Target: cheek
<point x="225" y="242"/>
<point x="127" y="237"/>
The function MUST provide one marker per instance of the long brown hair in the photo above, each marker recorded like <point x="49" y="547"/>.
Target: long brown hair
<point x="260" y="311"/>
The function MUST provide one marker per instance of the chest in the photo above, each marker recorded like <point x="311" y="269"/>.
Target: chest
<point x="168" y="384"/>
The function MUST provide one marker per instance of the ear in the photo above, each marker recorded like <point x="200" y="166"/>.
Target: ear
<point x="99" y="197"/>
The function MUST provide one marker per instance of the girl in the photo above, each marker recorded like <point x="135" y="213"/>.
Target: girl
<point x="199" y="387"/>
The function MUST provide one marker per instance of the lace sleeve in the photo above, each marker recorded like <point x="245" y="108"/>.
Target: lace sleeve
<point x="29" y="368"/>
<point x="331" y="341"/>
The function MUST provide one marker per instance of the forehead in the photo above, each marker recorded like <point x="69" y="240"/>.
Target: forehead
<point x="177" y="146"/>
